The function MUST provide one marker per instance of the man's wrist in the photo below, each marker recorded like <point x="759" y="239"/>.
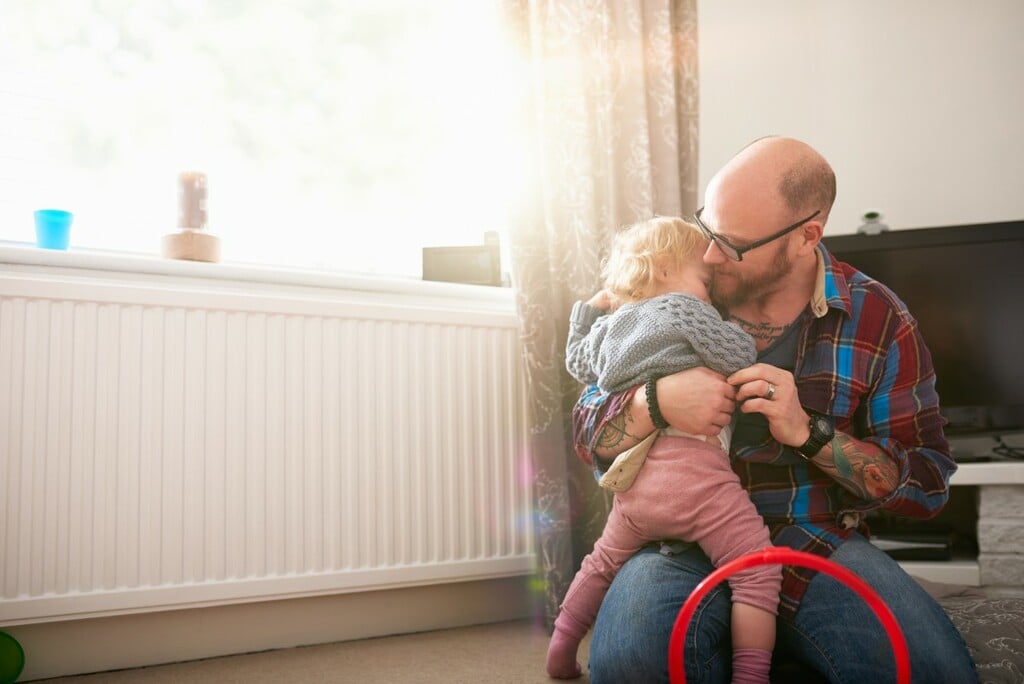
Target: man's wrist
<point x="801" y="436"/>
<point x="639" y="416"/>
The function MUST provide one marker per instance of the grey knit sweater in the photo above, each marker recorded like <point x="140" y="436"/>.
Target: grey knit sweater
<point x="652" y="338"/>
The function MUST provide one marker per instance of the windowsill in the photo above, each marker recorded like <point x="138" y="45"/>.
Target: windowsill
<point x="82" y="260"/>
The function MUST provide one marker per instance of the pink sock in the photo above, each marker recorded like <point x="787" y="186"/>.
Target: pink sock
<point x="565" y="642"/>
<point x="562" y="662"/>
<point x="751" y="665"/>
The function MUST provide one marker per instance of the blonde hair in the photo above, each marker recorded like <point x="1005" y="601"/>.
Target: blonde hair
<point x="630" y="271"/>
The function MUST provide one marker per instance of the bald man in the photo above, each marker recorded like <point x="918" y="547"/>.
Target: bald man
<point x="837" y="419"/>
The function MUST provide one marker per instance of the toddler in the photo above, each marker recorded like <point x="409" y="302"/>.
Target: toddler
<point x="686" y="489"/>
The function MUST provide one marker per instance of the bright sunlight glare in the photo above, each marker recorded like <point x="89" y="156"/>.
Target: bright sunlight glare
<point x="338" y="136"/>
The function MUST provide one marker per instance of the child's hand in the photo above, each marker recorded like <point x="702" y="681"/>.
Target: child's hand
<point x="602" y="300"/>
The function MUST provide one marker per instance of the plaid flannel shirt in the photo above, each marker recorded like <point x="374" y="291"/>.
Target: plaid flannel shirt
<point x="861" y="361"/>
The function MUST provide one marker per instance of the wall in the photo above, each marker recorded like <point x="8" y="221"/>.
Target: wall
<point x="918" y="105"/>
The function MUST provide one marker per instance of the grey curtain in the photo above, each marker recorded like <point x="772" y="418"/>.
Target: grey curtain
<point x="612" y="115"/>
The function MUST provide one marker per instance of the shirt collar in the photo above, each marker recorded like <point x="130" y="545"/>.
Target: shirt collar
<point x="830" y="287"/>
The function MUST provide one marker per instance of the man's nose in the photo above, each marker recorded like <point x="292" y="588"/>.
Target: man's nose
<point x="713" y="255"/>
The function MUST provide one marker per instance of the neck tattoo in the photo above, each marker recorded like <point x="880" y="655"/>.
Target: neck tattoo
<point x="761" y="332"/>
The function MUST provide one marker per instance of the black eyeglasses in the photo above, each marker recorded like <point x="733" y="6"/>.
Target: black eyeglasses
<point x="736" y="253"/>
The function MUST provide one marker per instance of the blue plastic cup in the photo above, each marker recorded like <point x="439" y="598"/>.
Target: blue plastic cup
<point x="53" y="228"/>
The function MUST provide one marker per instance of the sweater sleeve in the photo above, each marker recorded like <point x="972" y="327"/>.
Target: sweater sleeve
<point x="581" y="348"/>
<point x="722" y="345"/>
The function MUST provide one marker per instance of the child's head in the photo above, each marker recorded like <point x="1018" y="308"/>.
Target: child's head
<point x="648" y="259"/>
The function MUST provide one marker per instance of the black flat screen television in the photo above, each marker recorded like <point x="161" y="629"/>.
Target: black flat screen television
<point x="965" y="286"/>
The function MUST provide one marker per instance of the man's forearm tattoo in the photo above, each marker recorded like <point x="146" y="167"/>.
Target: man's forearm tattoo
<point x="865" y="470"/>
<point x="843" y="467"/>
<point x="614" y="432"/>
<point x="616" y="435"/>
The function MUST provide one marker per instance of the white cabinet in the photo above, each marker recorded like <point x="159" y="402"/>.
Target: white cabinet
<point x="999" y="496"/>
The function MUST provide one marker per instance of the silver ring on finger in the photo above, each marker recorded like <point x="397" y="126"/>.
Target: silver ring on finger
<point x="771" y="392"/>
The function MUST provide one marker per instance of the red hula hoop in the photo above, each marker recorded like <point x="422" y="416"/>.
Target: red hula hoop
<point x="786" y="556"/>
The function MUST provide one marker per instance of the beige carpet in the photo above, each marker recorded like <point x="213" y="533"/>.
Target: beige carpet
<point x="511" y="652"/>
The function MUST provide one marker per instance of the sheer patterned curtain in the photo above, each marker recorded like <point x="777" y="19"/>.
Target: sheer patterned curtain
<point x="612" y="116"/>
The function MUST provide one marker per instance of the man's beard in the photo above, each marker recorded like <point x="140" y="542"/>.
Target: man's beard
<point x="749" y="288"/>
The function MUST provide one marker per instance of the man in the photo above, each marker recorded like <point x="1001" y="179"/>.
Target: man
<point x="838" y="418"/>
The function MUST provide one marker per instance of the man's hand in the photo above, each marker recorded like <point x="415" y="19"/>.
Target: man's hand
<point x="787" y="420"/>
<point x="862" y="468"/>
<point x="697" y="400"/>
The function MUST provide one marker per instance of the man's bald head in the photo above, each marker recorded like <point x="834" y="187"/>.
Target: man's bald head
<point x="782" y="170"/>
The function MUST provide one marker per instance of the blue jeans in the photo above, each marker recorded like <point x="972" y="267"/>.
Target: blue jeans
<point x="834" y="632"/>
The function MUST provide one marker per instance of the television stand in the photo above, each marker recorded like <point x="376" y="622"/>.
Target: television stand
<point x="986" y="446"/>
<point x="997" y="488"/>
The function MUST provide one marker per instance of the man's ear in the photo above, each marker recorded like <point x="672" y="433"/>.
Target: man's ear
<point x="812" y="232"/>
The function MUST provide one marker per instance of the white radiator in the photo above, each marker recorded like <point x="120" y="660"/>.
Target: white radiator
<point x="179" y="442"/>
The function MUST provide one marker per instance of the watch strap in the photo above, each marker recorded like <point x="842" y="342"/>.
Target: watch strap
<point x="817" y="438"/>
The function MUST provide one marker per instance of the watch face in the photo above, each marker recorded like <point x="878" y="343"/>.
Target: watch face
<point x="823" y="426"/>
<point x="821" y="434"/>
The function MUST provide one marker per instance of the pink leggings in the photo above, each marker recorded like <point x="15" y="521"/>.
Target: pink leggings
<point x="685" y="490"/>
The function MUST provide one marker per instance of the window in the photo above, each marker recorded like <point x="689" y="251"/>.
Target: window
<point x="334" y="135"/>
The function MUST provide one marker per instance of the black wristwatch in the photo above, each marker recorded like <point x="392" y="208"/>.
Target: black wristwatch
<point x="822" y="433"/>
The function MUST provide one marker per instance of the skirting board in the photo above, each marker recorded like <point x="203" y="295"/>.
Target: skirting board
<point x="56" y="649"/>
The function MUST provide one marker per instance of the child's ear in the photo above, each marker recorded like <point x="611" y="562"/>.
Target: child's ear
<point x="663" y="268"/>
